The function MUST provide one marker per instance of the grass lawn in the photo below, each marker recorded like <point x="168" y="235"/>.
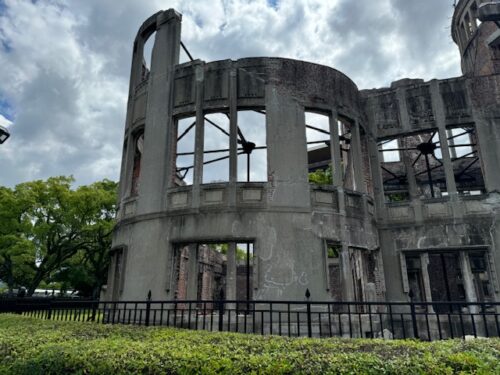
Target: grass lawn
<point x="33" y="346"/>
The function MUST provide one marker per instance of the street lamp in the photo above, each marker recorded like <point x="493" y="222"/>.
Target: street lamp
<point x="4" y="134"/>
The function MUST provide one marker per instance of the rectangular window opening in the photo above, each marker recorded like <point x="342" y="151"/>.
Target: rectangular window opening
<point x="318" y="148"/>
<point x="216" y="148"/>
<point x="462" y="143"/>
<point x="252" y="146"/>
<point x="184" y="160"/>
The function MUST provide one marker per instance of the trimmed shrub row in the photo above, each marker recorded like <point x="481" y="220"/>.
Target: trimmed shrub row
<point x="32" y="346"/>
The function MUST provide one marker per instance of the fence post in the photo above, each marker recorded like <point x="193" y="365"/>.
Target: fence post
<point x="413" y="315"/>
<point x="309" y="324"/>
<point x="221" y="309"/>
<point x="148" y="308"/>
<point x="49" y="314"/>
<point x="95" y="306"/>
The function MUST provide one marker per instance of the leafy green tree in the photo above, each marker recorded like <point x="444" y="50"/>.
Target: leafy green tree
<point x="321" y="176"/>
<point x="51" y="229"/>
<point x="16" y="250"/>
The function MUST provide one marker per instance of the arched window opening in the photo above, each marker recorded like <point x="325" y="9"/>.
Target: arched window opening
<point x="252" y="146"/>
<point x="147" y="56"/>
<point x="136" y="170"/>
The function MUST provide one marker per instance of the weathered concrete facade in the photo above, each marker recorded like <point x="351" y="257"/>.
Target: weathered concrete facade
<point x="392" y="220"/>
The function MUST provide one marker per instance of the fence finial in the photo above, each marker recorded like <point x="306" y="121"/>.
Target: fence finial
<point x="308" y="293"/>
<point x="149" y="295"/>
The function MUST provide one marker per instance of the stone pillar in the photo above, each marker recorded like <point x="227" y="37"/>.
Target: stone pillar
<point x="135" y="79"/>
<point x="287" y="149"/>
<point x="156" y="168"/>
<point x="357" y="158"/>
<point x="347" y="282"/>
<point x="192" y="279"/>
<point x="199" y="138"/>
<point x="468" y="278"/>
<point x="335" y="150"/>
<point x="233" y="136"/>
<point x="424" y="263"/>
<point x="438" y="105"/>
<point x="231" y="274"/>
<point x="378" y="182"/>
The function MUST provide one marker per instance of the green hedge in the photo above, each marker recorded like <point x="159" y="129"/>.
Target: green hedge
<point x="32" y="346"/>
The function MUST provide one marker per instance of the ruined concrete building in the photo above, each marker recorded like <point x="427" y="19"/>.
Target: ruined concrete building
<point x="411" y="210"/>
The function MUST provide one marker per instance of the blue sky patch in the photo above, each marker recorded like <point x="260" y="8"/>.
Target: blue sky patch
<point x="6" y="109"/>
<point x="273" y="3"/>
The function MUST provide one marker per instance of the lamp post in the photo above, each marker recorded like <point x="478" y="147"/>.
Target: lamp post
<point x="4" y="134"/>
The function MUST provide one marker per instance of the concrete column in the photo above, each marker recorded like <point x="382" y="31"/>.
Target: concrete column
<point x="192" y="281"/>
<point x="357" y="158"/>
<point x="378" y="182"/>
<point x="231" y="273"/>
<point x="287" y="149"/>
<point x="488" y="138"/>
<point x="424" y="263"/>
<point x="468" y="278"/>
<point x="439" y="113"/>
<point x="233" y="136"/>
<point x="135" y="79"/>
<point x="156" y="169"/>
<point x="335" y="150"/>
<point x="347" y="282"/>
<point x="137" y="59"/>
<point x="199" y="137"/>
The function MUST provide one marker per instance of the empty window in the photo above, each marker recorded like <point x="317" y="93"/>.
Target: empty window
<point x="252" y="146"/>
<point x="415" y="284"/>
<point x="464" y="154"/>
<point x="216" y="148"/>
<point x="390" y="151"/>
<point x="318" y="148"/>
<point x="479" y="268"/>
<point x="136" y="170"/>
<point x="185" y="151"/>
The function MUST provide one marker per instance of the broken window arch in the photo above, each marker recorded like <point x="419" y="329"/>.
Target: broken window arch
<point x="136" y="169"/>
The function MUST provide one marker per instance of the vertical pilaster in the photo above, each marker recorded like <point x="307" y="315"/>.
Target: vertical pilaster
<point x="155" y="168"/>
<point x="424" y="264"/>
<point x="192" y="282"/>
<point x="357" y="157"/>
<point x="347" y="281"/>
<point x="378" y="182"/>
<point x="199" y="138"/>
<point x="438" y="105"/>
<point x="468" y="279"/>
<point x="233" y="136"/>
<point x="335" y="149"/>
<point x="231" y="272"/>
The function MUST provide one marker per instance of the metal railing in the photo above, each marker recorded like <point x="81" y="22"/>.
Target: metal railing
<point x="389" y="320"/>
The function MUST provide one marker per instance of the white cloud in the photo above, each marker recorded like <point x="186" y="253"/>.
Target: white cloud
<point x="5" y="122"/>
<point x="65" y="68"/>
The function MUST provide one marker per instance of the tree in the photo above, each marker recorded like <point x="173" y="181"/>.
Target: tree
<point x="15" y="249"/>
<point x="321" y="176"/>
<point x="49" y="227"/>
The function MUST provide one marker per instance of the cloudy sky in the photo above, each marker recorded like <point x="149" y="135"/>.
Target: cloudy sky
<point x="64" y="64"/>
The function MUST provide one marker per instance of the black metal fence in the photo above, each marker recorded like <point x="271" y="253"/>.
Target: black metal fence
<point x="426" y="321"/>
